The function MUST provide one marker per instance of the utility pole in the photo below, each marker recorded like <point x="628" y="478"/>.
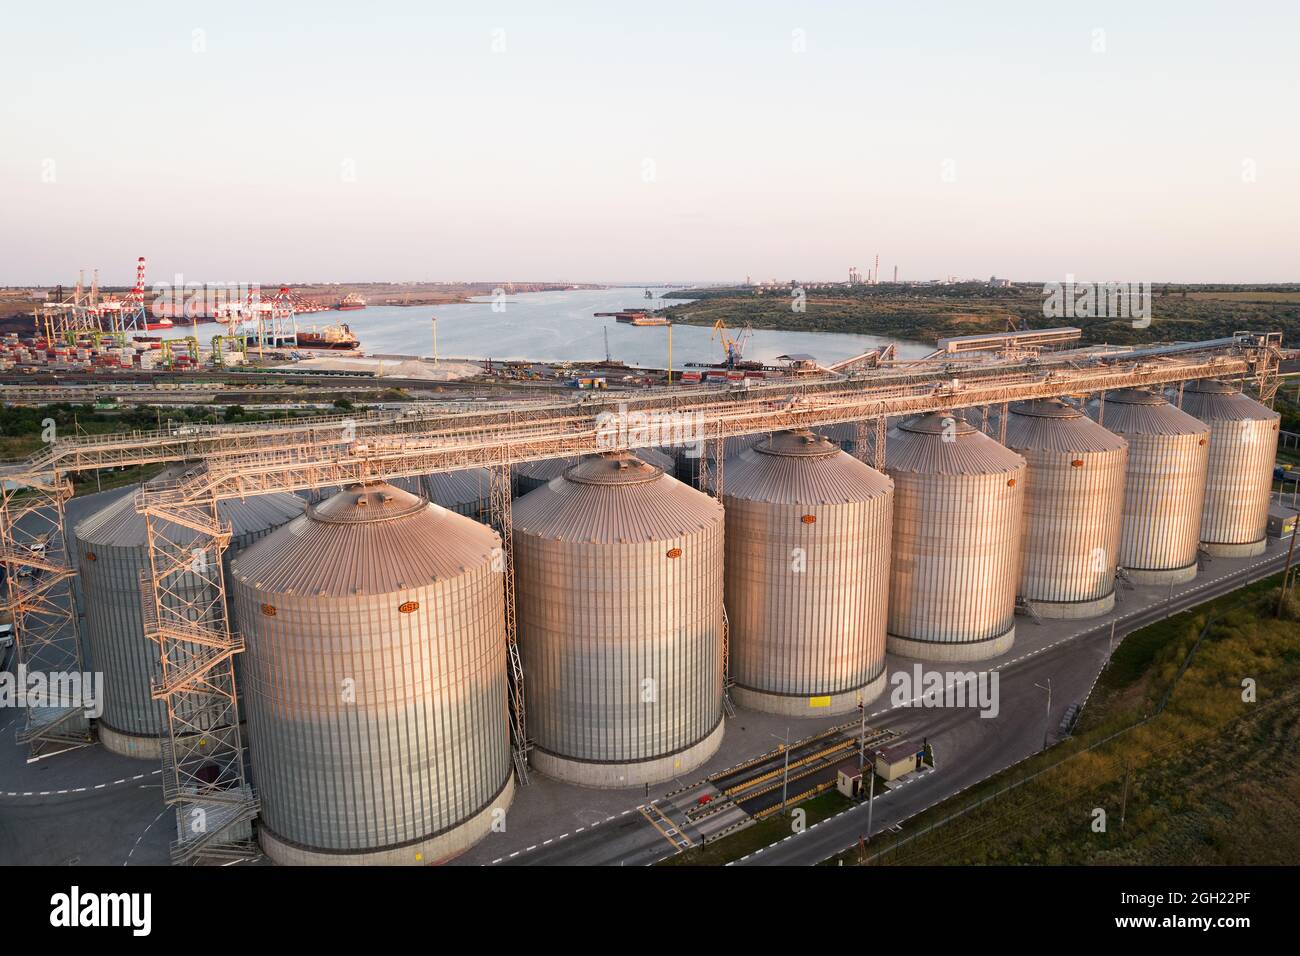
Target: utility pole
<point x="785" y="774"/>
<point x="670" y="351"/>
<point x="1047" y="717"/>
<point x="862" y="736"/>
<point x="1123" y="803"/>
<point x="1111" y="651"/>
<point x="1286" y="573"/>
<point x="871" y="798"/>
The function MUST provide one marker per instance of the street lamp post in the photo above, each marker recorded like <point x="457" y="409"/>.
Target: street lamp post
<point x="1047" y="717"/>
<point x="785" y="774"/>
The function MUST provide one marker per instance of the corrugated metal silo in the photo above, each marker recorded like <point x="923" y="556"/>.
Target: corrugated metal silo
<point x="1239" y="482"/>
<point x="688" y="461"/>
<point x="375" y="682"/>
<point x="958" y="497"/>
<point x="111" y="551"/>
<point x="1074" y="499"/>
<point x="1164" y="485"/>
<point x="807" y="576"/>
<point x="467" y="492"/>
<point x="619" y="591"/>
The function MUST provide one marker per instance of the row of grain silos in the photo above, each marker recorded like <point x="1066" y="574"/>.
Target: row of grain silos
<point x="375" y="681"/>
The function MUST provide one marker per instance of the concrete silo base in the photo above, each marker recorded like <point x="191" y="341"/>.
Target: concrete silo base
<point x="615" y="776"/>
<point x="791" y="705"/>
<point x="1249" y="550"/>
<point x="129" y="745"/>
<point x="435" y="849"/>
<point x="1073" y="610"/>
<point x="941" y="651"/>
<point x="1149" y="576"/>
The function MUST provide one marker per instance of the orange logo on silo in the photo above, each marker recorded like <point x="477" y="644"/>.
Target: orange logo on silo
<point x="409" y="606"/>
<point x="268" y="610"/>
<point x="674" y="553"/>
<point x="809" y="519"/>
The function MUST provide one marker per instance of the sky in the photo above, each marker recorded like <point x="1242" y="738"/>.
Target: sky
<point x="692" y="142"/>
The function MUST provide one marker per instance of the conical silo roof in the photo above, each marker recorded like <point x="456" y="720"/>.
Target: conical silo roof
<point x="614" y="499"/>
<point x="458" y="490"/>
<point x="941" y="443"/>
<point x="799" y="467"/>
<point x="120" y="525"/>
<point x="1210" y="400"/>
<point x="1049" y="424"/>
<point x="1135" y="411"/>
<point x="367" y="539"/>
<point x="549" y="469"/>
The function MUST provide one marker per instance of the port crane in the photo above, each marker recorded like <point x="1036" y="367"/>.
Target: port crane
<point x="733" y="347"/>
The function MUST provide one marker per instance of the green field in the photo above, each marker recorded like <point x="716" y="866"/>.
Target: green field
<point x="1210" y="780"/>
<point x="926" y="314"/>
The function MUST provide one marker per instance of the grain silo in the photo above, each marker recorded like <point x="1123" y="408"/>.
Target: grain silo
<point x="619" y="592"/>
<point x="375" y="680"/>
<point x="467" y="492"/>
<point x="1074" y="499"/>
<point x="807" y="576"/>
<point x="1239" y="477"/>
<point x="531" y="475"/>
<point x="958" y="496"/>
<point x="693" y="463"/>
<point x="1164" y="484"/>
<point x="111" y="551"/>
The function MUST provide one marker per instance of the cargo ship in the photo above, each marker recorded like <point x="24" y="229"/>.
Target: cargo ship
<point x="636" y="317"/>
<point x="334" y="338"/>
<point x="350" y="302"/>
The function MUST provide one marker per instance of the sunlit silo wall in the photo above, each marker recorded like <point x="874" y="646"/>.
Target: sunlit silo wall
<point x="1164" y="484"/>
<point x="375" y="680"/>
<point x="1074" y="499"/>
<point x="619" y="592"/>
<point x="958" y="496"/>
<point x="1239" y="477"/>
<point x="807" y="576"/>
<point x="111" y="552"/>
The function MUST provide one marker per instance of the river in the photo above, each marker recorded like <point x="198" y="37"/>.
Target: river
<point x="561" y="326"/>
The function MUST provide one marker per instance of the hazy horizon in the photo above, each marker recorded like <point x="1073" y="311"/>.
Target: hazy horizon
<point x="416" y="143"/>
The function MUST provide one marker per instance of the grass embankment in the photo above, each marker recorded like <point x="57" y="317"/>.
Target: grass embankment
<point x="927" y="314"/>
<point x="1212" y="779"/>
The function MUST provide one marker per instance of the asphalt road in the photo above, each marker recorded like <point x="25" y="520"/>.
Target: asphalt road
<point x="970" y="749"/>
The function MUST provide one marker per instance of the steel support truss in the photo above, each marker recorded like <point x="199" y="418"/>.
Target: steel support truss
<point x="186" y="616"/>
<point x="500" y="497"/>
<point x="42" y="600"/>
<point x="183" y="594"/>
